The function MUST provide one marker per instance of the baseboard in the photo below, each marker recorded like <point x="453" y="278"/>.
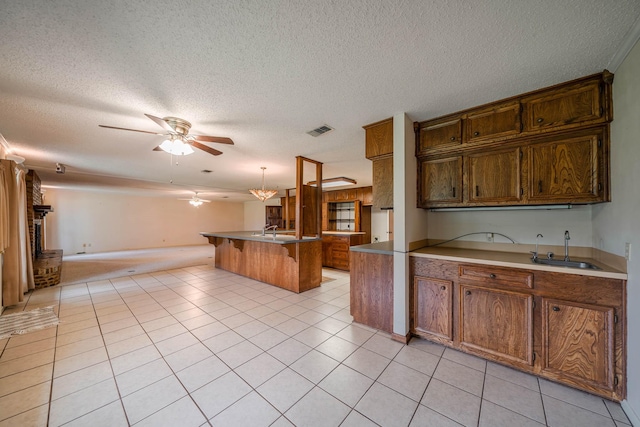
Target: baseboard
<point x="404" y="339"/>
<point x="631" y="414"/>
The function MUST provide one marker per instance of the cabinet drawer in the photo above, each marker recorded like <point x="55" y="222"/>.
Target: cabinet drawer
<point x="337" y="254"/>
<point x="496" y="276"/>
<point x="341" y="264"/>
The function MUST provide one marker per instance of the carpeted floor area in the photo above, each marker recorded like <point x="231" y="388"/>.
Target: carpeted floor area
<point x="81" y="268"/>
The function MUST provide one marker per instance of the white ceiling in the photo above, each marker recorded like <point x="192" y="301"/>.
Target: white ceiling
<point x="264" y="73"/>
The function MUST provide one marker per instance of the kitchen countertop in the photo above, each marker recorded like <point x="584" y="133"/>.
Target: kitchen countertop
<point x="256" y="236"/>
<point x="514" y="260"/>
<point x="384" y="248"/>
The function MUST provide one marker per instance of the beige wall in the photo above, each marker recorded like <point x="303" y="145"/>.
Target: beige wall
<point x="111" y="221"/>
<point x="255" y="214"/>
<point x="618" y="222"/>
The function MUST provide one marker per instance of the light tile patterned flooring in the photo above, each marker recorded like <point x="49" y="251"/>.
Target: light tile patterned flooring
<point x="200" y="346"/>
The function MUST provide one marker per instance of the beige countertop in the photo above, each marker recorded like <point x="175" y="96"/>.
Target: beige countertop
<point x="514" y="260"/>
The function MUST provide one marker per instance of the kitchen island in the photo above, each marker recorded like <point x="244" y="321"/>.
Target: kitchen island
<point x="278" y="259"/>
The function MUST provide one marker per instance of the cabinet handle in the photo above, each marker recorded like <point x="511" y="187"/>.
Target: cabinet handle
<point x="477" y="191"/>
<point x="540" y="120"/>
<point x="556" y="308"/>
<point x="453" y="138"/>
<point x="443" y="288"/>
<point x="453" y="190"/>
<point x="539" y="186"/>
<point x="476" y="133"/>
<point x="468" y="293"/>
<point x="493" y="276"/>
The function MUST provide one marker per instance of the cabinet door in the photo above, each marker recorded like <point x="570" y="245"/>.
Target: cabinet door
<point x="439" y="134"/>
<point x="379" y="139"/>
<point x="567" y="170"/>
<point x="432" y="308"/>
<point x="494" y="177"/>
<point x="367" y="196"/>
<point x="440" y="182"/>
<point x="383" y="183"/>
<point x="493" y="122"/>
<point x="578" y="342"/>
<point x="564" y="107"/>
<point x="497" y="323"/>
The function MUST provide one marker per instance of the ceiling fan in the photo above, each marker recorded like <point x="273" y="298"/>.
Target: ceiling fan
<point x="179" y="141"/>
<point x="196" y="201"/>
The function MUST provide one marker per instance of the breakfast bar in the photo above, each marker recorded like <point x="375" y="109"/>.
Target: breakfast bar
<point x="278" y="259"/>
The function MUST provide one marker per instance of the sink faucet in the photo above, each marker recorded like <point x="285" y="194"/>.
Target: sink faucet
<point x="567" y="237"/>
<point x="534" y="255"/>
<point x="273" y="227"/>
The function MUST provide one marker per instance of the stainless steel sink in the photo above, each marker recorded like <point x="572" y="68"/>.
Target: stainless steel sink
<point x="563" y="263"/>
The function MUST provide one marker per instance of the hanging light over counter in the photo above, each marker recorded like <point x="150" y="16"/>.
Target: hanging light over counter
<point x="262" y="193"/>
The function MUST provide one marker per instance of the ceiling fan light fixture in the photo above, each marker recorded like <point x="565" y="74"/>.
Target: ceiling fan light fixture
<point x="176" y="146"/>
<point x="261" y="193"/>
<point x="195" y="202"/>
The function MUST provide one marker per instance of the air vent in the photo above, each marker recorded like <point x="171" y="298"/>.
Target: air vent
<point x="206" y="171"/>
<point x="321" y="130"/>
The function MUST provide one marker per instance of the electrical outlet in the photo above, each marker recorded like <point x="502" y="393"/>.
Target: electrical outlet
<point x="627" y="251"/>
<point x="489" y="237"/>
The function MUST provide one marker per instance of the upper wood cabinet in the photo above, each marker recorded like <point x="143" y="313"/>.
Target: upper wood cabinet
<point x="493" y="122"/>
<point x="440" y="181"/>
<point x="442" y="133"/>
<point x="379" y="139"/>
<point x="549" y="146"/>
<point x="494" y="176"/>
<point x="383" y="183"/>
<point x="586" y="101"/>
<point x="571" y="169"/>
<point x="579" y="342"/>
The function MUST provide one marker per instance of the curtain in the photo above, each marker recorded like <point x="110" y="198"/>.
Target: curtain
<point x="17" y="271"/>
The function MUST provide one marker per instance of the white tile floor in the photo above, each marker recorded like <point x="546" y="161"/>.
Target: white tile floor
<point x="200" y="347"/>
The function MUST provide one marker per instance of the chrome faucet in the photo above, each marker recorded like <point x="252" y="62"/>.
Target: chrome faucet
<point x="534" y="255"/>
<point x="567" y="237"/>
<point x="273" y="227"/>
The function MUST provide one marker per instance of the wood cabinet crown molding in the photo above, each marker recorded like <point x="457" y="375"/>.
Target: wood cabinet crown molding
<point x="549" y="146"/>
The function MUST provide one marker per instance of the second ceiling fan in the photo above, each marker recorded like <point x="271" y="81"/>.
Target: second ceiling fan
<point x="179" y="141"/>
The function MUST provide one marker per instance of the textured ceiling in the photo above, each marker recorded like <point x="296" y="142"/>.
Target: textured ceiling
<point x="264" y="73"/>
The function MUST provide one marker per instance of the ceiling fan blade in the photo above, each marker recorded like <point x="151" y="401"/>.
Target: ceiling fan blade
<point x="218" y="139"/>
<point x="132" y="130"/>
<point x="161" y="123"/>
<point x="203" y="147"/>
<point x="158" y="149"/>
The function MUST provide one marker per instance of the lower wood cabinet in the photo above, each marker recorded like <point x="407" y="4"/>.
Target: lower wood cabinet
<point x="372" y="289"/>
<point x="432" y="303"/>
<point x="568" y="328"/>
<point x="335" y="249"/>
<point x="498" y="323"/>
<point x="578" y="342"/>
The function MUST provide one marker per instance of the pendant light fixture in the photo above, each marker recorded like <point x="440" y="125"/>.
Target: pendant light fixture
<point x="261" y="193"/>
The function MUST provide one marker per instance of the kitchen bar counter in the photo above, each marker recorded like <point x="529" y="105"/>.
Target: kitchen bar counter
<point x="514" y="260"/>
<point x="384" y="248"/>
<point x="283" y="261"/>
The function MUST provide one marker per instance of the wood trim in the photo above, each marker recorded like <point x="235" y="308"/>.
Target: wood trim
<point x="404" y="339"/>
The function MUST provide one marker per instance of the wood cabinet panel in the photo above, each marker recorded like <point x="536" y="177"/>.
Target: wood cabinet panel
<point x="432" y="307"/>
<point x="490" y="276"/>
<point x="493" y="122"/>
<point x="383" y="183"/>
<point x="578" y="342"/>
<point x="567" y="169"/>
<point x="439" y="134"/>
<point x="379" y="139"/>
<point x="440" y="181"/>
<point x="566" y="106"/>
<point x="497" y="322"/>
<point x="372" y="290"/>
<point x="367" y="196"/>
<point x="494" y="177"/>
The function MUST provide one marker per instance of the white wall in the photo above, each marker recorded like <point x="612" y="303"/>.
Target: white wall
<point x="255" y="214"/>
<point x="520" y="225"/>
<point x="618" y="222"/>
<point x="111" y="222"/>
